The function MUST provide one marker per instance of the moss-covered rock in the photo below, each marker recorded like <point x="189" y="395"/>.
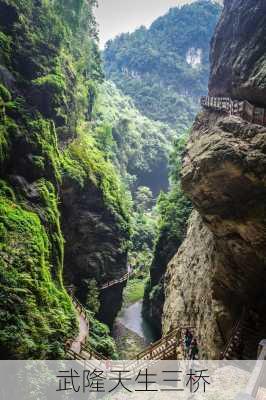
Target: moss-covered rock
<point x="36" y="313"/>
<point x="49" y="63"/>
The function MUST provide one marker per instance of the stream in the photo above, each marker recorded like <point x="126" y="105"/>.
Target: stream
<point x="131" y="332"/>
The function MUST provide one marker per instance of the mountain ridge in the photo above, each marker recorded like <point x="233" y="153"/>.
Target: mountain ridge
<point x="165" y="68"/>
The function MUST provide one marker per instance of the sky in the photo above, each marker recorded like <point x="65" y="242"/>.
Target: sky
<point x="117" y="16"/>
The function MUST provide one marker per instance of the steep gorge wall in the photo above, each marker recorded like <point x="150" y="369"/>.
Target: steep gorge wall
<point x="220" y="266"/>
<point x="96" y="246"/>
<point x="240" y="39"/>
<point x="220" y="269"/>
<point x="58" y="193"/>
<point x="189" y="288"/>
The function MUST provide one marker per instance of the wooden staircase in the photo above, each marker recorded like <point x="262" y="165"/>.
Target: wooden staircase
<point x="163" y="349"/>
<point x="244" y="339"/>
<point x="168" y="347"/>
<point x="242" y="343"/>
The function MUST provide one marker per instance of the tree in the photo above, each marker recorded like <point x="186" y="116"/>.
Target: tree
<point x="104" y="138"/>
<point x="144" y="199"/>
<point x="150" y="65"/>
<point x="93" y="302"/>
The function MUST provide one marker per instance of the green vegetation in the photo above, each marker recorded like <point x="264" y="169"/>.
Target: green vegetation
<point x="151" y="65"/>
<point x="36" y="314"/>
<point x="173" y="209"/>
<point x="64" y="130"/>
<point x="100" y="339"/>
<point x="49" y="204"/>
<point x="142" y="238"/>
<point x="138" y="146"/>
<point x="91" y="163"/>
<point x="134" y="290"/>
<point x="143" y="199"/>
<point x="93" y="302"/>
<point x="49" y="55"/>
<point x="4" y="93"/>
<point x="162" y="70"/>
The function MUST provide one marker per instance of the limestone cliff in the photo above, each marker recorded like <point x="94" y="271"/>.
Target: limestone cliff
<point x="62" y="216"/>
<point x="154" y="296"/>
<point x="188" y="286"/>
<point x="220" y="269"/>
<point x="238" y="52"/>
<point x="95" y="246"/>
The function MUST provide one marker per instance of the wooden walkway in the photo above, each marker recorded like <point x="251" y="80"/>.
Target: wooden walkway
<point x="164" y="349"/>
<point x="115" y="281"/>
<point x="170" y="347"/>
<point x="243" y="108"/>
<point x="124" y="278"/>
<point x="76" y="348"/>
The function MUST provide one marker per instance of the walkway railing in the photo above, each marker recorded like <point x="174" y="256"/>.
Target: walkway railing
<point x="115" y="281"/>
<point x="243" y="108"/>
<point x="80" y="308"/>
<point x="91" y="354"/>
<point x="235" y="337"/>
<point x="125" y="277"/>
<point x="166" y="347"/>
<point x="163" y="349"/>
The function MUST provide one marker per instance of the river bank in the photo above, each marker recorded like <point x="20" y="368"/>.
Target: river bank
<point x="131" y="332"/>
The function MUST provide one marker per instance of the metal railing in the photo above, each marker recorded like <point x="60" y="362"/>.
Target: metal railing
<point x="243" y="108"/>
<point x="115" y="281"/>
<point x="235" y="335"/>
<point x="125" y="277"/>
<point x="164" y="348"/>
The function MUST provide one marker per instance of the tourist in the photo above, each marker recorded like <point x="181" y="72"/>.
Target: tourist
<point x="194" y="350"/>
<point x="187" y="341"/>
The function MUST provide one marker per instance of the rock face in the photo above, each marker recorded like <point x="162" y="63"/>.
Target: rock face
<point x="188" y="288"/>
<point x="238" y="58"/>
<point x="154" y="297"/>
<point x="220" y="270"/>
<point x="95" y="246"/>
<point x="62" y="217"/>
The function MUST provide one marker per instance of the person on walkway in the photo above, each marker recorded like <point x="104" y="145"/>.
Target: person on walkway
<point x="187" y="341"/>
<point x="194" y="350"/>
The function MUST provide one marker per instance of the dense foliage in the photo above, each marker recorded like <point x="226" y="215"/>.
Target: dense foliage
<point x="174" y="207"/>
<point x="173" y="210"/>
<point x="35" y="312"/>
<point x="165" y="68"/>
<point x="138" y="146"/>
<point x="50" y="66"/>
